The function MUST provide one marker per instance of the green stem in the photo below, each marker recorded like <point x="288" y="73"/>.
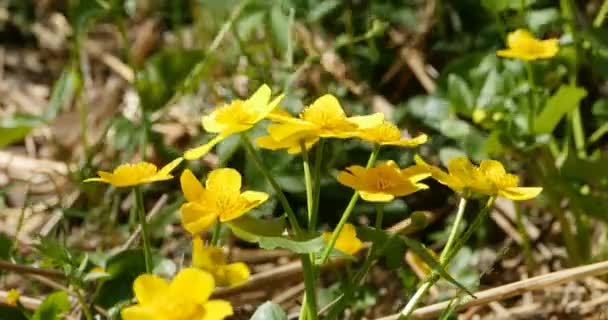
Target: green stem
<point x="379" y="216"/>
<point x="310" y="298"/>
<point x="531" y="96"/>
<point x="578" y="132"/>
<point x="347" y="211"/>
<point x="308" y="184"/>
<point x="217" y="230"/>
<point x="601" y="15"/>
<point x="275" y="185"/>
<point x="317" y="182"/>
<point x="525" y="240"/>
<point x="144" y="229"/>
<point x="85" y="307"/>
<point x="443" y="259"/>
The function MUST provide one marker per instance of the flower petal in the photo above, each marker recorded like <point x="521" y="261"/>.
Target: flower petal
<point x="196" y="218"/>
<point x="258" y="102"/>
<point x="236" y="273"/>
<point x="520" y="193"/>
<point x="414" y="142"/>
<point x="138" y="312"/>
<point x="149" y="289"/>
<point x="191" y="186"/>
<point x="166" y="170"/>
<point x="255" y="196"/>
<point x="376" y="197"/>
<point x="224" y="180"/>
<point x="193" y="285"/>
<point x="195" y="153"/>
<point x="217" y="310"/>
<point x="367" y="121"/>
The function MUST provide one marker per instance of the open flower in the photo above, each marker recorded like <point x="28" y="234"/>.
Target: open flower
<point x="133" y="174"/>
<point x="490" y="178"/>
<point x="324" y="118"/>
<point x="291" y="144"/>
<point x="213" y="260"/>
<point x="347" y="240"/>
<point x="238" y="116"/>
<point x="384" y="182"/>
<point x="220" y="198"/>
<point x="12" y="297"/>
<point x="185" y="298"/>
<point x="387" y="134"/>
<point x="523" y="45"/>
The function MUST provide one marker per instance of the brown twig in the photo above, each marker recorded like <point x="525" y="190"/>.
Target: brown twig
<point x="19" y="268"/>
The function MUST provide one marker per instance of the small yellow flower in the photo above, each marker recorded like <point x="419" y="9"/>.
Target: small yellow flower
<point x="385" y="181"/>
<point x="490" y="178"/>
<point x="12" y="297"/>
<point x="523" y="45"/>
<point x="292" y="144"/>
<point x="347" y="241"/>
<point x="238" y="116"/>
<point x="324" y="118"/>
<point x="387" y="134"/>
<point x="133" y="174"/>
<point x="185" y="298"/>
<point x="213" y="260"/>
<point x="220" y="198"/>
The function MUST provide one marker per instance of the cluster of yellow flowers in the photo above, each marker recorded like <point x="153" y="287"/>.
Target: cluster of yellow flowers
<point x="221" y="200"/>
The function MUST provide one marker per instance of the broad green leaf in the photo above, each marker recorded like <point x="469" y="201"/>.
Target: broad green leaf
<point x="455" y="128"/>
<point x="322" y="9"/>
<point x="566" y="99"/>
<point x="540" y="20"/>
<point x="10" y="135"/>
<point x="53" y="306"/>
<point x="489" y="90"/>
<point x="166" y="72"/>
<point x="269" y="311"/>
<point x="462" y="99"/>
<point x="390" y="246"/>
<point x="122" y="268"/>
<point x="251" y="229"/>
<point x="314" y="245"/>
<point x="420" y="250"/>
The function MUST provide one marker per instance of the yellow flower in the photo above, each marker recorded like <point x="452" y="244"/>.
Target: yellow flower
<point x="292" y="144"/>
<point x="12" y="297"/>
<point x="213" y="260"/>
<point x="387" y="133"/>
<point x="185" y="298"/>
<point x="490" y="178"/>
<point x="133" y="174"/>
<point x="347" y="241"/>
<point x="385" y="181"/>
<point x="238" y="116"/>
<point x="220" y="198"/>
<point x="523" y="45"/>
<point x="323" y="118"/>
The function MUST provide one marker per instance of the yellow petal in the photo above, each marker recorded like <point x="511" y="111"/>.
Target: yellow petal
<point x="195" y="153"/>
<point x="258" y="102"/>
<point x="255" y="196"/>
<point x="294" y="130"/>
<point x="166" y="170"/>
<point x="248" y="201"/>
<point x="327" y="105"/>
<point x="196" y="218"/>
<point x="191" y="187"/>
<point x="416" y="173"/>
<point x="421" y="139"/>
<point x="347" y="241"/>
<point x="217" y="310"/>
<point x="149" y="288"/>
<point x="206" y="258"/>
<point x="224" y="180"/>
<point x="376" y="197"/>
<point x="138" y="312"/>
<point x="236" y="273"/>
<point x="367" y="121"/>
<point x="520" y="193"/>
<point x="518" y="38"/>
<point x="192" y="285"/>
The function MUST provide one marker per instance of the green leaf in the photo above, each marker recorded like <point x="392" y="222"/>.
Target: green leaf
<point x="6" y="245"/>
<point x="460" y="95"/>
<point x="63" y="92"/>
<point x="421" y="251"/>
<point x="251" y="229"/>
<point x="566" y="99"/>
<point x="492" y="85"/>
<point x="53" y="306"/>
<point x="122" y="268"/>
<point x="502" y="5"/>
<point x="165" y="73"/>
<point x="279" y="27"/>
<point x="269" y="311"/>
<point x="391" y="247"/>
<point x="314" y="245"/>
<point x="11" y="131"/>
<point x="321" y="9"/>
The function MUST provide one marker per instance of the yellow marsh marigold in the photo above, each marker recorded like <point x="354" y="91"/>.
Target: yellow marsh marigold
<point x="523" y="45"/>
<point x="133" y="174"/>
<point x="12" y="297"/>
<point x="385" y="181"/>
<point x="185" y="298"/>
<point x="220" y="198"/>
<point x="387" y="134"/>
<point x="238" y="116"/>
<point x="213" y="260"/>
<point x="291" y="144"/>
<point x="490" y="178"/>
<point x="347" y="241"/>
<point x="323" y="118"/>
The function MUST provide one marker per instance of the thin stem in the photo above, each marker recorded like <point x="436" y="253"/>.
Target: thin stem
<point x="85" y="307"/>
<point x="217" y="230"/>
<point x="275" y="185"/>
<point x="525" y="240"/>
<point x="531" y="96"/>
<point x="578" y="132"/>
<point x="443" y="259"/>
<point x="317" y="182"/>
<point x="601" y="15"/>
<point x="144" y="229"/>
<point x="379" y="216"/>
<point x="308" y="184"/>
<point x="347" y="211"/>
<point x="310" y="299"/>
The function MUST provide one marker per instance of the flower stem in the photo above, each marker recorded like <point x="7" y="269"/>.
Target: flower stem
<point x="601" y="15"/>
<point x="347" y="211"/>
<point x="83" y="304"/>
<point x="275" y="185"/>
<point x="144" y="229"/>
<point x="309" y="312"/>
<point x="413" y="302"/>
<point x="531" y="96"/>
<point x="317" y="182"/>
<point x="215" y="237"/>
<point x="308" y="184"/>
